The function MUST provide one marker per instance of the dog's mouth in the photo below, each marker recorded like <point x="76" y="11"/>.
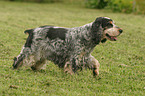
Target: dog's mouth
<point x="112" y="38"/>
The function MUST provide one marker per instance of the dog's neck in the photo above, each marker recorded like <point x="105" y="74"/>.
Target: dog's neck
<point x="92" y="33"/>
<point x="86" y="35"/>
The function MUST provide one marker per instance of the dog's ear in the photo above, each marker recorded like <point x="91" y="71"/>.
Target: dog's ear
<point x="104" y="40"/>
<point x="97" y="30"/>
<point x="99" y="21"/>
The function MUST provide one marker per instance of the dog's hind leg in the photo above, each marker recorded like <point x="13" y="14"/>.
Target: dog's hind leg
<point x="68" y="68"/>
<point x="25" y="52"/>
<point x="19" y="60"/>
<point x="38" y="64"/>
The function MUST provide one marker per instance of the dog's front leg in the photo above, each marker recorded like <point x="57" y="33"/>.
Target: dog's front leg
<point x="95" y="65"/>
<point x="72" y="66"/>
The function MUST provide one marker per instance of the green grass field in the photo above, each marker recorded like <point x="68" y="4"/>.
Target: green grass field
<point x="122" y="63"/>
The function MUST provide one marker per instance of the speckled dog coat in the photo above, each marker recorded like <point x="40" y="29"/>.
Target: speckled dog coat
<point x="69" y="48"/>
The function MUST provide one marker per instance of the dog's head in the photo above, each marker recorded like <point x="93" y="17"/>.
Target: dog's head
<point x="106" y="28"/>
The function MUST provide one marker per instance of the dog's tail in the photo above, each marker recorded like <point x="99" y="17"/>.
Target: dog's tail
<point x="29" y="31"/>
<point x="30" y="37"/>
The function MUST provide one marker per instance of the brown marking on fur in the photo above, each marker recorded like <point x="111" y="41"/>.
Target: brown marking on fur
<point x="95" y="71"/>
<point x="111" y="22"/>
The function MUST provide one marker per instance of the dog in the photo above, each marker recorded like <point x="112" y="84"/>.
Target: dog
<point x="69" y="48"/>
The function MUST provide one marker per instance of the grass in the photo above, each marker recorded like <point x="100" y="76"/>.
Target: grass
<point x="122" y="70"/>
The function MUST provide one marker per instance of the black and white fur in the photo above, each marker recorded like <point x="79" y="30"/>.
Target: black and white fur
<point x="69" y="48"/>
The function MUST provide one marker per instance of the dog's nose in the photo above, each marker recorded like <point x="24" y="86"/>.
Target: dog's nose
<point x="120" y="30"/>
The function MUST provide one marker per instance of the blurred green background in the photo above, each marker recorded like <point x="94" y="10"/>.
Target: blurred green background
<point x="125" y="6"/>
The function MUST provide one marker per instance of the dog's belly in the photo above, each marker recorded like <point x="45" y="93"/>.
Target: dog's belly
<point x="55" y="51"/>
